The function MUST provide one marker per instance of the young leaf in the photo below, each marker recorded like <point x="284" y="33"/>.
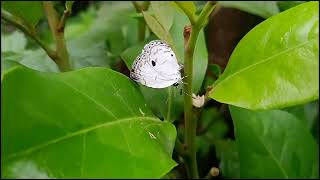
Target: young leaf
<point x="157" y="29"/>
<point x="187" y="7"/>
<point x="274" y="144"/>
<point x="276" y="64"/>
<point x="89" y="123"/>
<point x="163" y="12"/>
<point x="263" y="9"/>
<point x="30" y="11"/>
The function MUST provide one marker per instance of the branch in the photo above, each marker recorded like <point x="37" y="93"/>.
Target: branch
<point x="6" y="17"/>
<point x="170" y="92"/>
<point x="191" y="35"/>
<point x="66" y="13"/>
<point x="62" y="52"/>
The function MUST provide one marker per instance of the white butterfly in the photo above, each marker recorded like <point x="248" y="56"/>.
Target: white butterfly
<point x="156" y="66"/>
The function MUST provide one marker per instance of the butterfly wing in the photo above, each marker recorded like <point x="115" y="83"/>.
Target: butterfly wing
<point x="156" y="66"/>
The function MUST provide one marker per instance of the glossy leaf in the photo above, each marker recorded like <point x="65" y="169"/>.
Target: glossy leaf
<point x="282" y="71"/>
<point x="30" y="11"/>
<point x="263" y="9"/>
<point x="80" y="124"/>
<point x="157" y="29"/>
<point x="274" y="144"/>
<point x="163" y="12"/>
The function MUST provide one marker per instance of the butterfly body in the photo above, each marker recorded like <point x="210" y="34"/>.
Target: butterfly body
<point x="156" y="66"/>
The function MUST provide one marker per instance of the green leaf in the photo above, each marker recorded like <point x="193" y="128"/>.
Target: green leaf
<point x="228" y="155"/>
<point x="163" y="12"/>
<point x="13" y="52"/>
<point x="157" y="29"/>
<point x="95" y="40"/>
<point x="263" y="9"/>
<point x="188" y="6"/>
<point x="215" y="69"/>
<point x="89" y="123"/>
<point x="30" y="11"/>
<point x="284" y="5"/>
<point x="274" y="144"/>
<point x="282" y="71"/>
<point x="306" y="112"/>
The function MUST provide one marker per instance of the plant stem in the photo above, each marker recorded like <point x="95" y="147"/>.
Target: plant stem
<point x="6" y="17"/>
<point x="58" y="34"/>
<point x="170" y="92"/>
<point x="190" y="121"/>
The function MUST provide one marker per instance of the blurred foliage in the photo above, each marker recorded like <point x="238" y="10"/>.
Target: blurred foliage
<point x="105" y="34"/>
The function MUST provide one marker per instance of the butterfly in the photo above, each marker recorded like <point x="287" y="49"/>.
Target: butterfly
<point x="156" y="66"/>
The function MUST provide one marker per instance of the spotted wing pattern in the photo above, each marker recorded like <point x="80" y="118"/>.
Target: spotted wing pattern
<point x="156" y="66"/>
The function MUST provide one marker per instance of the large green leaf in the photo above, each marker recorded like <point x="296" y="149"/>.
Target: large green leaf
<point x="30" y="11"/>
<point x="89" y="123"/>
<point x="274" y="144"/>
<point x="276" y="64"/>
<point x="263" y="9"/>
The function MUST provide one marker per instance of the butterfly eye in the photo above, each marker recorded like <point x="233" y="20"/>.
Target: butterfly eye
<point x="153" y="63"/>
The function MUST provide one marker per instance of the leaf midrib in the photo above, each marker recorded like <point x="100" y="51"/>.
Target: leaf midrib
<point x="79" y="132"/>
<point x="261" y="62"/>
